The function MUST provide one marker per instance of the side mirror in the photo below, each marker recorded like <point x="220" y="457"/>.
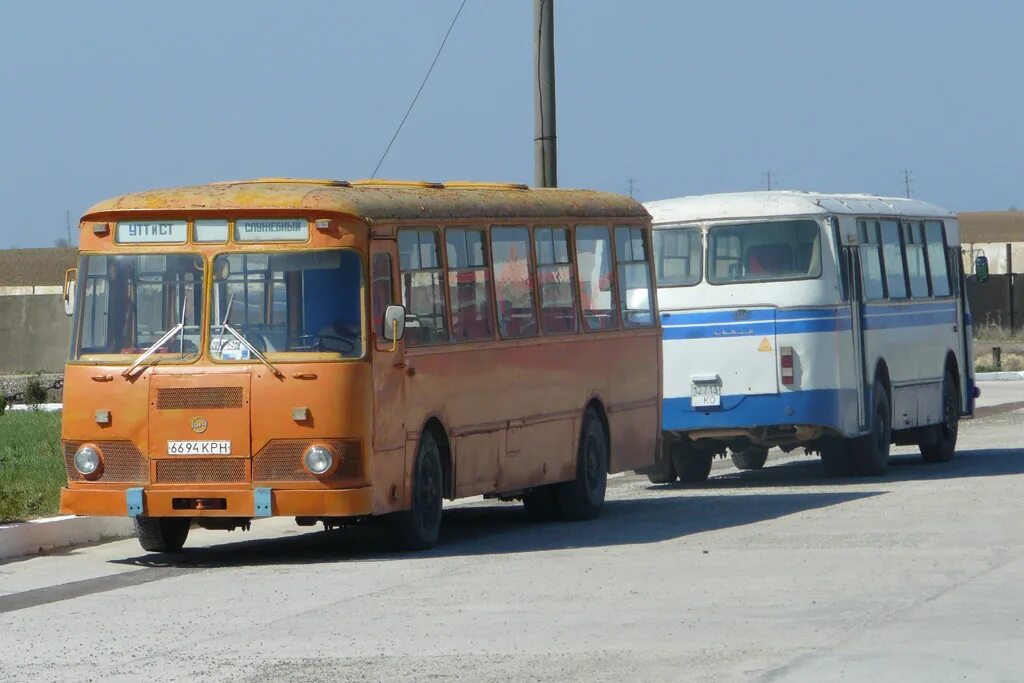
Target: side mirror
<point x="70" y="279"/>
<point x="981" y="268"/>
<point x="394" y="323"/>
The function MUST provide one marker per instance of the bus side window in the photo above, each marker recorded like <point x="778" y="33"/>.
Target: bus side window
<point x="513" y="284"/>
<point x="556" y="282"/>
<point x="913" y="244"/>
<point x="422" y="287"/>
<point x="380" y="275"/>
<point x="936" y="248"/>
<point x="871" y="260"/>
<point x="892" y="256"/>
<point x="469" y="285"/>
<point x="594" y="268"/>
<point x="634" y="277"/>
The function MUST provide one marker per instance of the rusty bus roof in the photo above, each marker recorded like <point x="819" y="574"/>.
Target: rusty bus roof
<point x="379" y="199"/>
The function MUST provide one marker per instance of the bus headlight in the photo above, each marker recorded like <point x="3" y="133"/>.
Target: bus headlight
<point x="89" y="461"/>
<point x="318" y="460"/>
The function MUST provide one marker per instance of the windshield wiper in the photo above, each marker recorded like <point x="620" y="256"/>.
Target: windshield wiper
<point x="161" y="341"/>
<point x="252" y="349"/>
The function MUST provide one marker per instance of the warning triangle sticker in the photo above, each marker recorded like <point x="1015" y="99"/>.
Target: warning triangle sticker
<point x="764" y="345"/>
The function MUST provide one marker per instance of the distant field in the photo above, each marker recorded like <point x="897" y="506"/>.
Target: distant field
<point x="31" y="465"/>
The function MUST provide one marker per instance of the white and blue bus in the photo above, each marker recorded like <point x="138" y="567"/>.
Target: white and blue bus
<point x="835" y="323"/>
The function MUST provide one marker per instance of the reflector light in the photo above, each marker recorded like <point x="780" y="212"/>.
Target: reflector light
<point x="786" y="364"/>
<point x="323" y="223"/>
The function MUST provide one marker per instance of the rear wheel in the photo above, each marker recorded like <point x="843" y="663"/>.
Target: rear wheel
<point x="664" y="472"/>
<point x="944" y="434"/>
<point x="871" y="454"/>
<point x="583" y="497"/>
<point x="837" y="457"/>
<point x="418" y="527"/>
<point x="750" y="458"/>
<point x="162" y="534"/>
<point x="691" y="465"/>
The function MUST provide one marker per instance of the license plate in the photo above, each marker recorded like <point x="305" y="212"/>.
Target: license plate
<point x="705" y="394"/>
<point x="198" y="448"/>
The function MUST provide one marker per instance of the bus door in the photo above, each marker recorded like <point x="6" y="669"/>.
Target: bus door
<point x="963" y="330"/>
<point x="857" y="312"/>
<point x="388" y="356"/>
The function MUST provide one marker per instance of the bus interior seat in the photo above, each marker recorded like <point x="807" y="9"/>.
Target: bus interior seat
<point x="772" y="259"/>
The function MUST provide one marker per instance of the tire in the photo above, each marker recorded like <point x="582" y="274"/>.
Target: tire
<point x="419" y="527"/>
<point x="750" y="458"/>
<point x="541" y="504"/>
<point x="692" y="466"/>
<point x="162" y="534"/>
<point x="837" y="457"/>
<point x="871" y="452"/>
<point x="583" y="497"/>
<point x="664" y="471"/>
<point x="943" y="446"/>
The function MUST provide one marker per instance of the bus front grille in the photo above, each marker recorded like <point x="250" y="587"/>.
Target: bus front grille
<point x="200" y="470"/>
<point x="122" y="462"/>
<point x="198" y="398"/>
<point x="281" y="460"/>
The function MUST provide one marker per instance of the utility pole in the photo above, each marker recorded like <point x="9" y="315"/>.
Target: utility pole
<point x="633" y="187"/>
<point x="906" y="181"/>
<point x="67" y="224"/>
<point x="768" y="179"/>
<point x="545" y="166"/>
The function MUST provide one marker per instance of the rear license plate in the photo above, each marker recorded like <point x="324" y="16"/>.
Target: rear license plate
<point x="705" y="394"/>
<point x="198" y="448"/>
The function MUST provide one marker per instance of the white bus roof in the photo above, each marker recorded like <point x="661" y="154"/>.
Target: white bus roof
<point x="742" y="205"/>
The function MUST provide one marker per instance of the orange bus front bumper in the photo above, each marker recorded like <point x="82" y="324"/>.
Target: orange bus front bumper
<point x="217" y="503"/>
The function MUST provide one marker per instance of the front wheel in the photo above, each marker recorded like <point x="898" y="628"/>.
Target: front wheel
<point x="419" y="527"/>
<point x="663" y="472"/>
<point x="162" y="534"/>
<point x="692" y="466"/>
<point x="750" y="458"/>
<point x="583" y="497"/>
<point x="943" y="443"/>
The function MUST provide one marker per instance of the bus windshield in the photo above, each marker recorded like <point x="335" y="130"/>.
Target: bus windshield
<point x="677" y="256"/>
<point x="129" y="302"/>
<point x="287" y="303"/>
<point x="771" y="250"/>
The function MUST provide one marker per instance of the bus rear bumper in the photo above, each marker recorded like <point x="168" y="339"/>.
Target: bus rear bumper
<point x="265" y="502"/>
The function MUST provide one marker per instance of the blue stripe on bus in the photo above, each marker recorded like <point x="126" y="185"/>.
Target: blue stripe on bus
<point x="821" y="407"/>
<point x="756" y="329"/>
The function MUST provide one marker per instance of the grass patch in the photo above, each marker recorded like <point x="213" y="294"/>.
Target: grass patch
<point x="31" y="465"/>
<point x="1013" y="362"/>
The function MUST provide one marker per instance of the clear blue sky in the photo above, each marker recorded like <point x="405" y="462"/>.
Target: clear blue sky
<point x="103" y="98"/>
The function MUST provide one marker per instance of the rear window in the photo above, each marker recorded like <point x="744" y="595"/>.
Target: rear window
<point x="772" y="250"/>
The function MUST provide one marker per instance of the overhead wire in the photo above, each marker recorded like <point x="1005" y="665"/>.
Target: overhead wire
<point x="422" y="84"/>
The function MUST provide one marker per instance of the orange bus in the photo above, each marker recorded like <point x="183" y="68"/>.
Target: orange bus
<point x="332" y="351"/>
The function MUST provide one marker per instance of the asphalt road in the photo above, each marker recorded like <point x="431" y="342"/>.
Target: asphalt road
<point x="778" y="574"/>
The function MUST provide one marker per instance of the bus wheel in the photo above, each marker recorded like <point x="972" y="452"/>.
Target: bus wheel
<point x="944" y="433"/>
<point x="837" y="457"/>
<point x="664" y="472"/>
<point x="583" y="497"/>
<point x="162" y="534"/>
<point x="418" y="527"/>
<point x="871" y="453"/>
<point x="750" y="458"/>
<point x="541" y="504"/>
<point x="690" y="464"/>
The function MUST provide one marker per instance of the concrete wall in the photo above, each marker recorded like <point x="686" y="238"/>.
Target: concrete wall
<point x="996" y="253"/>
<point x="34" y="331"/>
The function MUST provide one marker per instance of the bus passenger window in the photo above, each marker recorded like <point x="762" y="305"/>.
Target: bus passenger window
<point x="936" y="247"/>
<point x="895" y="280"/>
<point x="677" y="256"/>
<point x="913" y="244"/>
<point x="594" y="265"/>
<point x="871" y="260"/>
<point x="469" y="285"/>
<point x="557" y="284"/>
<point x="422" y="287"/>
<point x="513" y="285"/>
<point x="634" y="277"/>
<point x="380" y="274"/>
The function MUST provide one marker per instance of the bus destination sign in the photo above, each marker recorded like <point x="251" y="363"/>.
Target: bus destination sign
<point x="152" y="232"/>
<point x="271" y="230"/>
